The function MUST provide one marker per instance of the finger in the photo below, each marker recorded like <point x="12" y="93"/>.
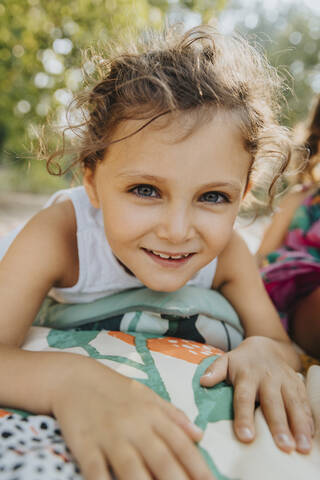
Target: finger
<point x="245" y="392"/>
<point x="161" y="461"/>
<point x="181" y="419"/>
<point x="299" y="415"/>
<point x="184" y="450"/>
<point x="306" y="404"/>
<point x="93" y="464"/>
<point x="275" y="414"/>
<point x="126" y="462"/>
<point x="216" y="372"/>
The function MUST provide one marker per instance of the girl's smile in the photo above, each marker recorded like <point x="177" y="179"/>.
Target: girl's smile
<point x="176" y="195"/>
<point x="171" y="260"/>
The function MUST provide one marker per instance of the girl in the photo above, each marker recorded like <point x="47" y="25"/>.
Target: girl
<point x="174" y="131"/>
<point x="292" y="243"/>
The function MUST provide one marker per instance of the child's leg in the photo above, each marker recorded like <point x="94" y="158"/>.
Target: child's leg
<point x="305" y="323"/>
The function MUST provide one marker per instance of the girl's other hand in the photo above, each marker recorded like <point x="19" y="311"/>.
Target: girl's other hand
<point x="258" y="372"/>
<point x="111" y="421"/>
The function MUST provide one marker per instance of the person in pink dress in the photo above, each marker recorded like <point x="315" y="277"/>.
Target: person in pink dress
<point x="291" y="251"/>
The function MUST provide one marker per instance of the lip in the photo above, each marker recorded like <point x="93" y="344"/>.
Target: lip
<point x="166" y="262"/>
<point x="170" y="254"/>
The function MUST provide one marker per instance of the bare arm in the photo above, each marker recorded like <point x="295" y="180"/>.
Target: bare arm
<point x="239" y="280"/>
<point x="263" y="365"/>
<point x="87" y="398"/>
<point x="44" y="254"/>
<point x="36" y="260"/>
<point x="275" y="234"/>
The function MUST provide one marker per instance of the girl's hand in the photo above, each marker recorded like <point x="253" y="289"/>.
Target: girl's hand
<point x="111" y="421"/>
<point x="258" y="372"/>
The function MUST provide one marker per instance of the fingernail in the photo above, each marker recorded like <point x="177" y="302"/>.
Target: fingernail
<point x="303" y="442"/>
<point x="195" y="428"/>
<point x="245" y="433"/>
<point x="284" y="440"/>
<point x="207" y="375"/>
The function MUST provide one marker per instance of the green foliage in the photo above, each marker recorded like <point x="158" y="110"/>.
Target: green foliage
<point x="207" y="8"/>
<point x="300" y="43"/>
<point x="40" y="59"/>
<point x="40" y="45"/>
<point x="290" y="35"/>
<point x="40" y="50"/>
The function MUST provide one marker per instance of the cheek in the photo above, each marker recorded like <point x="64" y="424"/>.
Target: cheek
<point x="124" y="221"/>
<point x="218" y="232"/>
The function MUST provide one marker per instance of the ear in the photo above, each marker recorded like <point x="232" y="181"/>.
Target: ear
<point x="89" y="183"/>
<point x="247" y="189"/>
<point x="249" y="183"/>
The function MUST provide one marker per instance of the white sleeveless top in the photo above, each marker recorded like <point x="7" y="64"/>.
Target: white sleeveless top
<point x="100" y="273"/>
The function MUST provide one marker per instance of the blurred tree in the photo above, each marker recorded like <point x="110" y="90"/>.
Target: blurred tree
<point x="290" y="36"/>
<point x="40" y="45"/>
<point x="196" y="10"/>
<point x="40" y="50"/>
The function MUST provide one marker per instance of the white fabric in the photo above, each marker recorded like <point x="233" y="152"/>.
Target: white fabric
<point x="6" y="241"/>
<point x="100" y="274"/>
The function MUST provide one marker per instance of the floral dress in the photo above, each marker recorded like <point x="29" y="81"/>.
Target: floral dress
<point x="293" y="270"/>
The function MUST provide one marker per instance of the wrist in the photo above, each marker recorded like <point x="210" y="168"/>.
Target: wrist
<point x="76" y="370"/>
<point x="82" y="374"/>
<point x="285" y="349"/>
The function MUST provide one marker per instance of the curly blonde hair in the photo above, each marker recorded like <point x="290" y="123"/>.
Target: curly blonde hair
<point x="199" y="70"/>
<point x="311" y="141"/>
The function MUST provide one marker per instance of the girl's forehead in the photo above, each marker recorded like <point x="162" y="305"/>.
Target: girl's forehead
<point x="177" y="127"/>
<point x="180" y="148"/>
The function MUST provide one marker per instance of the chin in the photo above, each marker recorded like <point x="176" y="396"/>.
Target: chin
<point x="165" y="287"/>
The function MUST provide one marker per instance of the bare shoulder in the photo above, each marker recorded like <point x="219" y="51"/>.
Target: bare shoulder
<point x="43" y="255"/>
<point x="50" y="235"/>
<point x="233" y="261"/>
<point x="58" y="224"/>
<point x="59" y="217"/>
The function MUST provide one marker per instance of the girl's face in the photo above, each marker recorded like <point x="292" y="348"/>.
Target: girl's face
<point x="169" y="201"/>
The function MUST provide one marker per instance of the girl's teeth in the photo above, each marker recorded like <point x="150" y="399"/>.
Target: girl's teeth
<point x="162" y="255"/>
<point x="174" y="257"/>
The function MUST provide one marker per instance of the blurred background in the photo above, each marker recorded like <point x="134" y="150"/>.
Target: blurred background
<point x="40" y="60"/>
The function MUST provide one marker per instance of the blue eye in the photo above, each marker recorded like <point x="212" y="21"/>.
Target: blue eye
<point x="145" y="190"/>
<point x="214" y="197"/>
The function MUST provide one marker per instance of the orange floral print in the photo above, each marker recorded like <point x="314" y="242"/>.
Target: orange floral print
<point x="192" y="352"/>
<point x="125" y="337"/>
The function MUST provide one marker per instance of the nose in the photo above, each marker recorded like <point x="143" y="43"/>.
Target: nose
<point x="176" y="224"/>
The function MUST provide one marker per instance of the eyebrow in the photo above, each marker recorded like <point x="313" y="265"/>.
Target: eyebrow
<point x="235" y="186"/>
<point x="136" y="174"/>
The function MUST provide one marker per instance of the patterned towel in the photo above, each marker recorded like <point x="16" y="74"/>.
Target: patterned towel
<point x="32" y="447"/>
